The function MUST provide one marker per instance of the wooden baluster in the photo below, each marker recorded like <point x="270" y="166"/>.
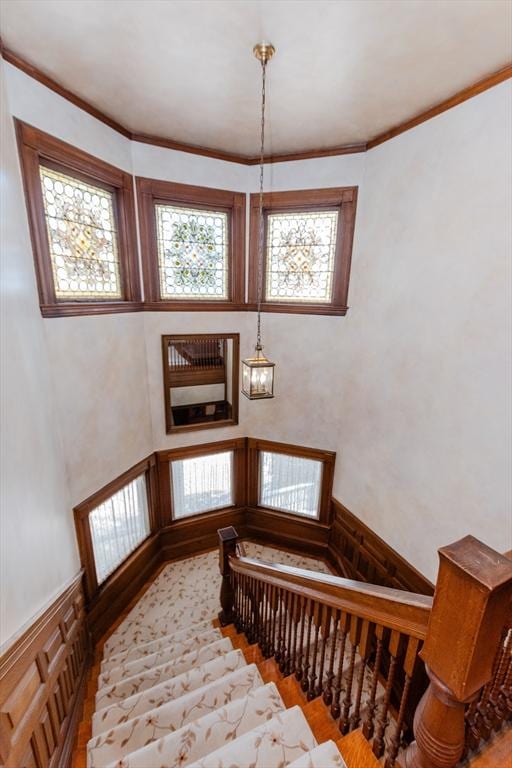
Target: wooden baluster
<point x="473" y="593"/>
<point x="291" y="621"/>
<point x="248" y="609"/>
<point x="299" y="671"/>
<point x="382" y="714"/>
<point x="317" y="618"/>
<point x="355" y="633"/>
<point x="504" y="699"/>
<point x="266" y="614"/>
<point x="330" y="673"/>
<point x="279" y="640"/>
<point x="269" y="649"/>
<point x="498" y="680"/>
<point x="259" y="610"/>
<point x="325" y="630"/>
<point x="246" y="605"/>
<point x="251" y="606"/>
<point x="297" y="615"/>
<point x="483" y="720"/>
<point x="368" y="726"/>
<point x="228" y="538"/>
<point x="305" y="664"/>
<point x="236" y="584"/>
<point x="506" y="694"/>
<point x="411" y="655"/>
<point x="344" y="628"/>
<point x="364" y="648"/>
<point x="286" y="621"/>
<point x="275" y="609"/>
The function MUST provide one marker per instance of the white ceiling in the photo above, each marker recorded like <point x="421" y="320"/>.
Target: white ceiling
<point x="344" y="71"/>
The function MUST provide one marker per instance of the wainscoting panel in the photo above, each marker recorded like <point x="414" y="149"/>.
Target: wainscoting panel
<point x="309" y="537"/>
<point x="42" y="681"/>
<point x="358" y="553"/>
<point x="122" y="586"/>
<point x="196" y="534"/>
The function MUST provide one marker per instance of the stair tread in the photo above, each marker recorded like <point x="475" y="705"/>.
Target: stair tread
<point x="139" y="703"/>
<point x="174" y="645"/>
<point x="136" y="733"/>
<point x="356" y="751"/>
<point x="137" y="633"/>
<point x="208" y="733"/>
<point x="131" y="685"/>
<point x="279" y="741"/>
<point x="326" y="755"/>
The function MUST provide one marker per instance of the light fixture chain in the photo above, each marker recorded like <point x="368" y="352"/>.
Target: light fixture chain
<point x="261" y="221"/>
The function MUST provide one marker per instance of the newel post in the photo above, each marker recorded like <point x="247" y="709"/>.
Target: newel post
<point x="472" y="597"/>
<point x="228" y="538"/>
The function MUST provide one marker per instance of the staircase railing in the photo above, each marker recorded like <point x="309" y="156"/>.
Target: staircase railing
<point x="365" y="648"/>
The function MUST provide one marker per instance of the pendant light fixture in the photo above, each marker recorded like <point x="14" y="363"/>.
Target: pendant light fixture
<point x="257" y="371"/>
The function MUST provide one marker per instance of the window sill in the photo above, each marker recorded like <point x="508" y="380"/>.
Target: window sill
<point x="75" y="308"/>
<point x="299" y="309"/>
<point x="187" y="305"/>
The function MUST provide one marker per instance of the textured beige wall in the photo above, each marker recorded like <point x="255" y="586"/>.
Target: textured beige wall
<point x="424" y="384"/>
<point x="38" y="553"/>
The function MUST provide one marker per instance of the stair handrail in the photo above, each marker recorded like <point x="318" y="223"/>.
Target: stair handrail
<point x="460" y="629"/>
<point x="392" y="608"/>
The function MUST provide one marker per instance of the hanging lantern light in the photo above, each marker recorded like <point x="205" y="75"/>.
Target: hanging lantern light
<point x="257" y="376"/>
<point x="257" y="371"/>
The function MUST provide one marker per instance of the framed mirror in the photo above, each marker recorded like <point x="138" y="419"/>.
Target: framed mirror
<point x="200" y="380"/>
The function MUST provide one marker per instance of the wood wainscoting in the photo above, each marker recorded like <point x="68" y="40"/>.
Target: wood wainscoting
<point x="305" y="536"/>
<point x="193" y="535"/>
<point x="122" y="586"/>
<point x="358" y="553"/>
<point x="42" y="683"/>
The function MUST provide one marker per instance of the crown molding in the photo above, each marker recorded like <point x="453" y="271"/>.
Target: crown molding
<point x="453" y="101"/>
<point x="466" y="93"/>
<point x="53" y="85"/>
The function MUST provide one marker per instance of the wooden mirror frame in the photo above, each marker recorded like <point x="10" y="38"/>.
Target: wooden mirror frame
<point x="171" y="428"/>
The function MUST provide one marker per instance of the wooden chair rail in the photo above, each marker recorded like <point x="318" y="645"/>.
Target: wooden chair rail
<point x="391" y="608"/>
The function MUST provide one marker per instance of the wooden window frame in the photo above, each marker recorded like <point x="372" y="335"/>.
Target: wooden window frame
<point x="151" y="192"/>
<point x="342" y="198"/>
<point x="233" y="421"/>
<point x="255" y="446"/>
<point x="38" y="148"/>
<point x="165" y="458"/>
<point x="83" y="530"/>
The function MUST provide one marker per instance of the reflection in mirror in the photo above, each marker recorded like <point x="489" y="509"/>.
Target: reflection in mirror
<point x="200" y="380"/>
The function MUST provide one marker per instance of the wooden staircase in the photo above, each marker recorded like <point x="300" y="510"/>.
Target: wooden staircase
<point x="254" y="593"/>
<point x="354" y="748"/>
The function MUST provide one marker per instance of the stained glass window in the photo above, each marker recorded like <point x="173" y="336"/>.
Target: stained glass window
<point x="82" y="238"/>
<point x="192" y="253"/>
<point x="300" y="256"/>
